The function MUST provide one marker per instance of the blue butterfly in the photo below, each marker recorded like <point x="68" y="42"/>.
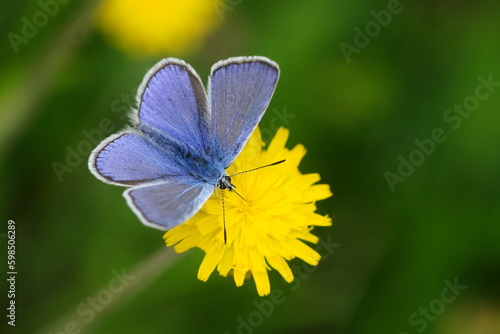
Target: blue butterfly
<point x="183" y="137"/>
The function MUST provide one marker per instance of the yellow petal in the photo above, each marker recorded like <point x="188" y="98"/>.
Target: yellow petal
<point x="262" y="283"/>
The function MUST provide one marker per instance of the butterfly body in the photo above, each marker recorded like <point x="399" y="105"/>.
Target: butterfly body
<point x="184" y="137"/>
<point x="200" y="166"/>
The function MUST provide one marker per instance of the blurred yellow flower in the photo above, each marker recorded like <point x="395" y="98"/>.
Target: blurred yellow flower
<point x="157" y="27"/>
<point x="266" y="229"/>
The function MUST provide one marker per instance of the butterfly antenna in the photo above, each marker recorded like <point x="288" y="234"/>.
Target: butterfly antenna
<point x="234" y="191"/>
<point x="224" y="216"/>
<point x="253" y="169"/>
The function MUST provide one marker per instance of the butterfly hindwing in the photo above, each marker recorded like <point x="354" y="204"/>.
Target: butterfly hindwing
<point x="167" y="204"/>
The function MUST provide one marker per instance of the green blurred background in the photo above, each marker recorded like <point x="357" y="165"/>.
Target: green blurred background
<point x="397" y="249"/>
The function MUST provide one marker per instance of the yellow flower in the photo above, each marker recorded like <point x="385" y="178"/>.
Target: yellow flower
<point x="266" y="229"/>
<point x="158" y="27"/>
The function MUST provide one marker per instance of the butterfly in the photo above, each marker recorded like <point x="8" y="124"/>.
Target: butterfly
<point x="184" y="137"/>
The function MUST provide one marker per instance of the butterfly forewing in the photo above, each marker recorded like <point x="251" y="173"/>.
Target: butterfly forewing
<point x="128" y="158"/>
<point x="240" y="90"/>
<point x="173" y="101"/>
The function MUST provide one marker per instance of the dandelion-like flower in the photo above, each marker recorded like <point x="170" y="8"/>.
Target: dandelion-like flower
<point x="158" y="27"/>
<point x="267" y="227"/>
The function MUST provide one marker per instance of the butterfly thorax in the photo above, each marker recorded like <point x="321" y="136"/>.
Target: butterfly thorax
<point x="201" y="166"/>
<point x="225" y="183"/>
